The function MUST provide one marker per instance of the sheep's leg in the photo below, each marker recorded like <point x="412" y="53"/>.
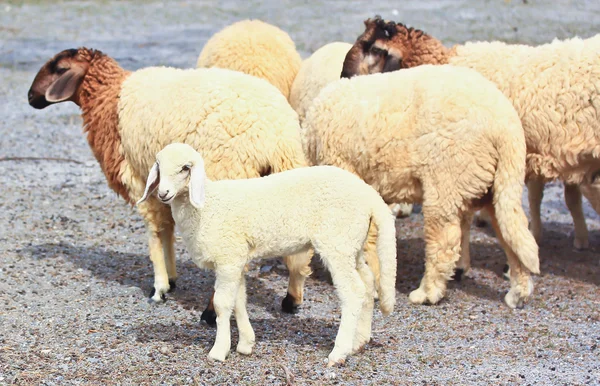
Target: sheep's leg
<point x="351" y="291"/>
<point x="226" y="292"/>
<point x="573" y="201"/>
<point x="535" y="192"/>
<point x="442" y="250"/>
<point x="402" y="209"/>
<point x="464" y="262"/>
<point x="161" y="277"/>
<point x="299" y="269"/>
<point x="247" y="338"/>
<point x="521" y="284"/>
<point x="363" y="330"/>
<point x="167" y="238"/>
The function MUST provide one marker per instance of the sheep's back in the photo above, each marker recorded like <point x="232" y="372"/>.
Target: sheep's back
<point x="321" y="68"/>
<point x="233" y="119"/>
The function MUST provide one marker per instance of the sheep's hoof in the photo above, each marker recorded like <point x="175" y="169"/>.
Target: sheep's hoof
<point x="245" y="348"/>
<point x="156" y="299"/>
<point x="172" y="285"/>
<point x="216" y="355"/>
<point x="209" y="316"/>
<point x="581" y="244"/>
<point x="514" y="300"/>
<point x="506" y="272"/>
<point x="287" y="304"/>
<point x="336" y="360"/>
<point x="458" y="272"/>
<point x="359" y="344"/>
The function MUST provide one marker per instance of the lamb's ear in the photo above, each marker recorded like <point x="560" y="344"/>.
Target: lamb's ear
<point x="151" y="183"/>
<point x="392" y="63"/>
<point x="197" y="184"/>
<point x="65" y="87"/>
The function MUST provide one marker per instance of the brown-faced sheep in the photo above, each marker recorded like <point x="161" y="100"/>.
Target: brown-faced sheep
<point x="554" y="88"/>
<point x="242" y="124"/>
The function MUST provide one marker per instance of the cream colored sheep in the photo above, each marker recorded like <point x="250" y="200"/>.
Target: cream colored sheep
<point x="441" y="135"/>
<point x="255" y="48"/>
<point x="242" y="124"/>
<point x="321" y="68"/>
<point x="554" y="88"/>
<point x="225" y="224"/>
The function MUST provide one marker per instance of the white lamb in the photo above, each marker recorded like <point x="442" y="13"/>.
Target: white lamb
<point x="227" y="223"/>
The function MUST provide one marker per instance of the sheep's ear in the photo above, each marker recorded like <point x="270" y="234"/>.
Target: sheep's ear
<point x="392" y="63"/>
<point x="197" y="184"/>
<point x="65" y="87"/>
<point x="151" y="183"/>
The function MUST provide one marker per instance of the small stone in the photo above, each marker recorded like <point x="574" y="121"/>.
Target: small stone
<point x="265" y="268"/>
<point x="330" y="375"/>
<point x="164" y="350"/>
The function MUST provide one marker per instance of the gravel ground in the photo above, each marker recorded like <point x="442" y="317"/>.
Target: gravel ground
<point x="74" y="272"/>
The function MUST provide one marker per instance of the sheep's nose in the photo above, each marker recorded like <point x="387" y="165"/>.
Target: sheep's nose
<point x="30" y="95"/>
<point x="163" y="195"/>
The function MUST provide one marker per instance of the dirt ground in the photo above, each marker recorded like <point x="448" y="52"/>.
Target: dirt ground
<point x="74" y="267"/>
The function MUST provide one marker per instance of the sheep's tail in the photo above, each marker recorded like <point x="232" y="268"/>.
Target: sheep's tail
<point x="288" y="154"/>
<point x="507" y="194"/>
<point x="386" y="254"/>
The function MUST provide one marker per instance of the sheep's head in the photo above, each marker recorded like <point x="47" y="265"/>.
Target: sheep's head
<point x="59" y="79"/>
<point x="384" y="46"/>
<point x="178" y="169"/>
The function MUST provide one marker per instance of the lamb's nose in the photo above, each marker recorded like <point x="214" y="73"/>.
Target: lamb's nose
<point x="30" y="95"/>
<point x="164" y="195"/>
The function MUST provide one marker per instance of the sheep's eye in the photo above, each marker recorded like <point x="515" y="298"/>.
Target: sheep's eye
<point x="185" y="168"/>
<point x="377" y="51"/>
<point x="595" y="176"/>
<point x="61" y="71"/>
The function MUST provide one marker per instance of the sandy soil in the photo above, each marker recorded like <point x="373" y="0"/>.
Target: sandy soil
<point x="74" y="271"/>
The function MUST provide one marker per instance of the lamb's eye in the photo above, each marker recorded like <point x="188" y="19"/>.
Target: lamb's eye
<point x="61" y="71"/>
<point x="596" y="177"/>
<point x="185" y="168"/>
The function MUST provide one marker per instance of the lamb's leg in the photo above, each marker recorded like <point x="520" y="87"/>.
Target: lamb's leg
<point x="363" y="330"/>
<point x="401" y="210"/>
<point x="167" y="238"/>
<point x="573" y="201"/>
<point x="464" y="262"/>
<point x="352" y="292"/>
<point x="521" y="284"/>
<point x="226" y="292"/>
<point x="370" y="255"/>
<point x="299" y="269"/>
<point x="442" y="250"/>
<point x="247" y="338"/>
<point x="535" y="192"/>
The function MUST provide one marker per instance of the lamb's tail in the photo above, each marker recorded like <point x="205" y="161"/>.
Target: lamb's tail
<point x="507" y="201"/>
<point x="386" y="253"/>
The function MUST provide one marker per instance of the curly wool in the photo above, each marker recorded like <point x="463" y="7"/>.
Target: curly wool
<point x="255" y="48"/>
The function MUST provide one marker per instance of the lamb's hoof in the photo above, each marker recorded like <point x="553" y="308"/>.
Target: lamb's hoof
<point x="209" y="316"/>
<point x="581" y="244"/>
<point x="287" y="304"/>
<point x="480" y="222"/>
<point x="217" y="355"/>
<point x="458" y="273"/>
<point x="245" y="348"/>
<point x="359" y="345"/>
<point x="172" y="285"/>
<point x="156" y="297"/>
<point x="336" y="360"/>
<point x="506" y="272"/>
<point x="514" y="300"/>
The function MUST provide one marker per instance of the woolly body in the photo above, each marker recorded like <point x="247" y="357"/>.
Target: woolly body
<point x="442" y="135"/>
<point x="255" y="48"/>
<point x="236" y="221"/>
<point x="321" y="68"/>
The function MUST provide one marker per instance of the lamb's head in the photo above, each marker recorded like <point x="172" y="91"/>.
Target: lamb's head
<point x="388" y="46"/>
<point x="59" y="79"/>
<point x="178" y="169"/>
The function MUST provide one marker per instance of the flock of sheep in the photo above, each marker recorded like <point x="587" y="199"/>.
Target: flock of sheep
<point x="223" y="152"/>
